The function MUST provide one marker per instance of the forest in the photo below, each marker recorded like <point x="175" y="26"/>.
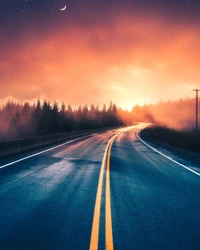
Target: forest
<point x="25" y="120"/>
<point x="42" y="118"/>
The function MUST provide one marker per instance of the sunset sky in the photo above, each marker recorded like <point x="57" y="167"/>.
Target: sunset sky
<point x="127" y="51"/>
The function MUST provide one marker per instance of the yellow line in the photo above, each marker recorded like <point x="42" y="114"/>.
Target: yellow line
<point x="96" y="219"/>
<point x="109" y="234"/>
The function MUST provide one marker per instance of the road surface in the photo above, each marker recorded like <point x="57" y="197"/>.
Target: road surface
<point x="107" y="190"/>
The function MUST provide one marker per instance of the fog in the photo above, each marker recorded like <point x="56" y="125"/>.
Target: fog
<point x="180" y="114"/>
<point x="26" y="120"/>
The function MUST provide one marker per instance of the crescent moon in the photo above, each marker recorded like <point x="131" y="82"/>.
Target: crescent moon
<point x="64" y="8"/>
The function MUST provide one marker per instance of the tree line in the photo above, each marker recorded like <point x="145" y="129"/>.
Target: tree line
<point x="26" y="120"/>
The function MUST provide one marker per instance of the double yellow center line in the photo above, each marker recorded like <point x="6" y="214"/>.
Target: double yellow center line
<point x="96" y="219"/>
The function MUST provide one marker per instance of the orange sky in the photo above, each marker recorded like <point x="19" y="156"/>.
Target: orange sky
<point x="127" y="60"/>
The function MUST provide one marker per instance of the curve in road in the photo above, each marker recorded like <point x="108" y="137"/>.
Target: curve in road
<point x="105" y="191"/>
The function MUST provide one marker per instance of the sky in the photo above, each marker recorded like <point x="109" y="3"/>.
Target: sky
<point x="128" y="51"/>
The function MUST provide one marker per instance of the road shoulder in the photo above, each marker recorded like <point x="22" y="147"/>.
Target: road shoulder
<point x="184" y="156"/>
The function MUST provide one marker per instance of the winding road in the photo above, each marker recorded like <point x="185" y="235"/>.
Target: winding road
<point x="104" y="191"/>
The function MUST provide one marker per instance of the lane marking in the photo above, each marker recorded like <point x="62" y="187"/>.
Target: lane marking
<point x="169" y="158"/>
<point x="96" y="218"/>
<point x="94" y="241"/>
<point x="109" y="234"/>
<point x="44" y="151"/>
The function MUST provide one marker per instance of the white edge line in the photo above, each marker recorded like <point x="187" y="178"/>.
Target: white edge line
<point x="169" y="158"/>
<point x="44" y="151"/>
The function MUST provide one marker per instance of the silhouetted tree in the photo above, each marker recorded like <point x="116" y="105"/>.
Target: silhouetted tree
<point x="19" y="121"/>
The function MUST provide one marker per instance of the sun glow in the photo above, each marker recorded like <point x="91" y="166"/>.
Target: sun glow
<point x="116" y="61"/>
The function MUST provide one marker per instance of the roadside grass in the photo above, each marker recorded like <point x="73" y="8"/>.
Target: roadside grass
<point x="187" y="139"/>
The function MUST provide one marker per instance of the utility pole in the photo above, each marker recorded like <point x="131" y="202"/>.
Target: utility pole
<point x="197" y="109"/>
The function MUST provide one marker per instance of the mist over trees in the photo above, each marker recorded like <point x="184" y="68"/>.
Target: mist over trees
<point x="25" y="120"/>
<point x="178" y="114"/>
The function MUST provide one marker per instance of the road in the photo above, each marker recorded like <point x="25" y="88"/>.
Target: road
<point x="108" y="189"/>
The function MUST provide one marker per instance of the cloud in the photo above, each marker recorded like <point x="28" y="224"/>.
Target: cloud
<point x="125" y="59"/>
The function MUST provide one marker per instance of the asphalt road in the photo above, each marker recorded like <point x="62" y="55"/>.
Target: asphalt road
<point x="96" y="192"/>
